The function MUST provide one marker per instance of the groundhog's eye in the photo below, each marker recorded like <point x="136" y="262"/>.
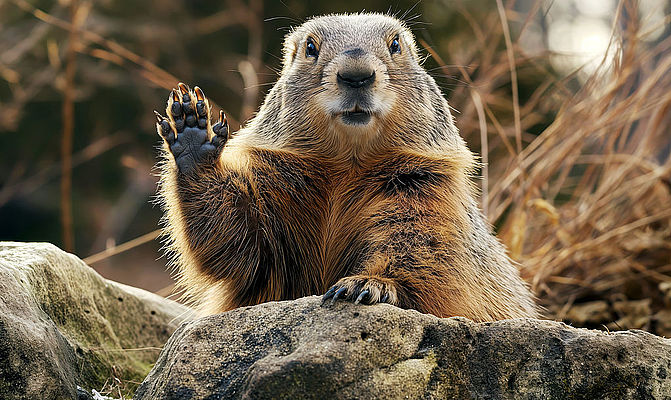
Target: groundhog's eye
<point x="395" y="46"/>
<point x="311" y="48"/>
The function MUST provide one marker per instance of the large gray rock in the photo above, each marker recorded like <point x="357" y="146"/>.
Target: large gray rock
<point x="297" y="350"/>
<point x="62" y="325"/>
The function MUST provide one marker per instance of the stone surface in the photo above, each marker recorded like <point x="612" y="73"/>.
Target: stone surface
<point x="297" y="349"/>
<point x="62" y="325"/>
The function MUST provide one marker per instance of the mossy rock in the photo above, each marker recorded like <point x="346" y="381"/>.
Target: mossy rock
<point x="62" y="326"/>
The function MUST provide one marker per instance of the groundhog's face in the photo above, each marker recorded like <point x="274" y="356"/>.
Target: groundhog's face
<point x="353" y="72"/>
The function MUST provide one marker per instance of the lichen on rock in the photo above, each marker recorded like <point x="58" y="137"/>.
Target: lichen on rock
<point x="298" y="349"/>
<point x="62" y="325"/>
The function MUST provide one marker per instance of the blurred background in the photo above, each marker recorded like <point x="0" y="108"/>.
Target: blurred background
<point x="567" y="102"/>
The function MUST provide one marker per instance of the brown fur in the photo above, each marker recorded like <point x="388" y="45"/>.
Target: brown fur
<point x="299" y="201"/>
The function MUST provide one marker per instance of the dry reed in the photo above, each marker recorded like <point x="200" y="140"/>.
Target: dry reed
<point x="585" y="207"/>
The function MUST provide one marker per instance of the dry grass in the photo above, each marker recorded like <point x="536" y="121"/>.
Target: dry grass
<point x="585" y="207"/>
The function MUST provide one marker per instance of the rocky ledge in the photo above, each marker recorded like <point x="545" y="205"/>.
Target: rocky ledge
<point x="300" y="350"/>
<point x="66" y="332"/>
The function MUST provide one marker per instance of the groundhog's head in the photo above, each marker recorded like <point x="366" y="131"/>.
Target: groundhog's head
<point x="359" y="75"/>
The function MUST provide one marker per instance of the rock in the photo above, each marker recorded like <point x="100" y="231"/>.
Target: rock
<point x="62" y="326"/>
<point x="299" y="350"/>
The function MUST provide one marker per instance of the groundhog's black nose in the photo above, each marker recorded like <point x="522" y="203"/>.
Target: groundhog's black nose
<point x="356" y="78"/>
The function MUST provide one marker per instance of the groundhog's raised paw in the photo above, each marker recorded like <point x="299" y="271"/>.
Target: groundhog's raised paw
<point x="191" y="139"/>
<point x="362" y="289"/>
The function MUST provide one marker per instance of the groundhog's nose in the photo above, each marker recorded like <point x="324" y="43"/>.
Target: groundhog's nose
<point x="356" y="78"/>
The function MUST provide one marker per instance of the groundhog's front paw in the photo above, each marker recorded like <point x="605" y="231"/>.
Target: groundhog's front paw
<point x="191" y="139"/>
<point x="362" y="289"/>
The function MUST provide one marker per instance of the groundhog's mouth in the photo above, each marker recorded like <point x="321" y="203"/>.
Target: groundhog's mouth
<point x="356" y="117"/>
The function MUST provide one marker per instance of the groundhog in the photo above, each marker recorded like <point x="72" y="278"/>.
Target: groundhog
<point x="351" y="182"/>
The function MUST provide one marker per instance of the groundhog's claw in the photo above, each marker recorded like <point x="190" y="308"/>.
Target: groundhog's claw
<point x="339" y="294"/>
<point x="334" y="293"/>
<point x="187" y="131"/>
<point x="362" y="296"/>
<point x="220" y="130"/>
<point x="164" y="128"/>
<point x="328" y="294"/>
<point x="364" y="290"/>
